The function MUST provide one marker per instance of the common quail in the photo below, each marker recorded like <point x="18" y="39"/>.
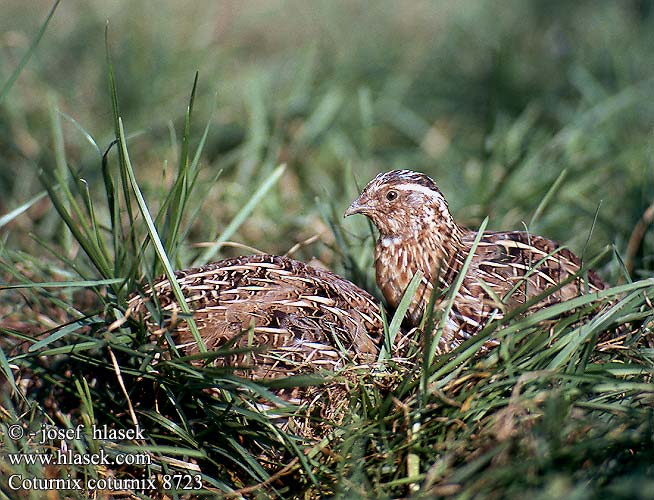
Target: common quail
<point x="295" y="317"/>
<point x="417" y="232"/>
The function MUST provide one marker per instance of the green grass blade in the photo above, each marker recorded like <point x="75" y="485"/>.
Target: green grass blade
<point x="76" y="226"/>
<point x="30" y="52"/>
<point x="154" y="236"/>
<point x="10" y="216"/>
<point x="62" y="332"/>
<point x="398" y="316"/>
<point x="121" y="155"/>
<point x="62" y="284"/>
<point x="85" y="133"/>
<point x="180" y="190"/>
<point x="583" y="300"/>
<point x="9" y="375"/>
<point x="113" y="207"/>
<point x="551" y="192"/>
<point x="242" y="214"/>
<point x="321" y="117"/>
<point x="586" y="330"/>
<point x="451" y="296"/>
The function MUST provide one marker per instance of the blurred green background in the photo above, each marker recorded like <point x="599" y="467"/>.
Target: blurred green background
<point x="494" y="99"/>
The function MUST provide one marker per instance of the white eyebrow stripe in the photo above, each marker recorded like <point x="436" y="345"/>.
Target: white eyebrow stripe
<point x="420" y="188"/>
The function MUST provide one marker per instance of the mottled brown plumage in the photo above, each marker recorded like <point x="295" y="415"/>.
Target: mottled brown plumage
<point x="418" y="232"/>
<point x="297" y="317"/>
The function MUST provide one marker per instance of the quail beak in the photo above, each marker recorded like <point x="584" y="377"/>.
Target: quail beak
<point x="355" y="208"/>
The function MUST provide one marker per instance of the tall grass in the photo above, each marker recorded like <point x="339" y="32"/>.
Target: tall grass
<point x="127" y="159"/>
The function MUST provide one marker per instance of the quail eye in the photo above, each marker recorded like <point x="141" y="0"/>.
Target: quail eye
<point x="391" y="195"/>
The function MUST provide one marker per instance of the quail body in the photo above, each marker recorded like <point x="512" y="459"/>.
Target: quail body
<point x="417" y="232"/>
<point x="295" y="317"/>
